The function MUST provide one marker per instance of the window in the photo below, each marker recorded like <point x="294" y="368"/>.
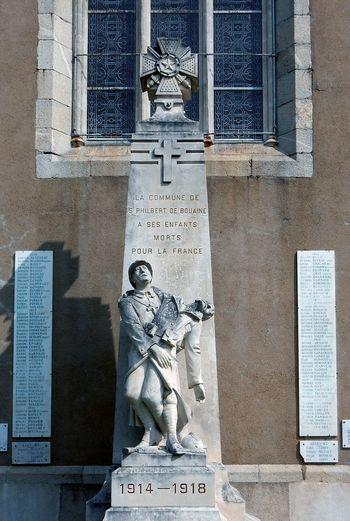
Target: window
<point x="237" y="99"/>
<point x="235" y="42"/>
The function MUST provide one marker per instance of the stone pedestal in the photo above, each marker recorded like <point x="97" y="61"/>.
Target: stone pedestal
<point x="154" y="485"/>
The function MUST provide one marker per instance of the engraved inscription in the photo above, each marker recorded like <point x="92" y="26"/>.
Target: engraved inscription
<point x="174" y="488"/>
<point x="346" y="434"/>
<point x="31" y="453"/>
<point x="173" y="218"/>
<point x="319" y="451"/>
<point x="32" y="344"/>
<point x="3" y="437"/>
<point x="317" y="344"/>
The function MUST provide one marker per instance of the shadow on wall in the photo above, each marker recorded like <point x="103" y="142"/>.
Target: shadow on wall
<point x="83" y="369"/>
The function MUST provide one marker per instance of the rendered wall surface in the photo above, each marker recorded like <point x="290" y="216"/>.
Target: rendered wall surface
<point x="256" y="227"/>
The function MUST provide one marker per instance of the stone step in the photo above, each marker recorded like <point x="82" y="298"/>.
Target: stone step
<point x="159" y="457"/>
<point x="163" y="514"/>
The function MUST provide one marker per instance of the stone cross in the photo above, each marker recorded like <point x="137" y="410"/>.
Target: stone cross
<point x="168" y="151"/>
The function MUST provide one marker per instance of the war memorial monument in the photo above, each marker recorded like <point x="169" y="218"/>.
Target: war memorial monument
<point x="167" y="433"/>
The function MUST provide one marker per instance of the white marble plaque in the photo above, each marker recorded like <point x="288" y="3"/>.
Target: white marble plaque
<point x="317" y="344"/>
<point x="318" y="451"/>
<point x="31" y="453"/>
<point x="345" y="424"/>
<point x="3" y="437"/>
<point x="32" y="344"/>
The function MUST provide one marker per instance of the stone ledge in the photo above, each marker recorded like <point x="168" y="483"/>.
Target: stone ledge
<point x="222" y="161"/>
<point x="280" y="473"/>
<point x="264" y="473"/>
<point x="243" y="473"/>
<point x="326" y="474"/>
<point x="54" y="475"/>
<point x="95" y="475"/>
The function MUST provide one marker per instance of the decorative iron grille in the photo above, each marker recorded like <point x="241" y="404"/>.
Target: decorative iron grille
<point x="238" y="82"/>
<point x="111" y="68"/>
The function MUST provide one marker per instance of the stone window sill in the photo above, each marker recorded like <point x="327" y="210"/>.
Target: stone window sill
<point x="222" y="160"/>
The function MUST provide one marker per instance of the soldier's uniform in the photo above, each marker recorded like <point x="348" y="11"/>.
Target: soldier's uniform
<point x="155" y="317"/>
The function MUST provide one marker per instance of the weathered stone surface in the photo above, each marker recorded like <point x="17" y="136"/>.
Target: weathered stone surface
<point x="280" y="473"/>
<point x="297" y="141"/>
<point x="302" y="7"/>
<point x="319" y="502"/>
<point x="35" y="504"/>
<point x="284" y="9"/>
<point x="50" y="140"/>
<point x="62" y="8"/>
<point x="51" y="114"/>
<point x="243" y="473"/>
<point x="162" y="458"/>
<point x="52" y="166"/>
<point x="302" y="29"/>
<point x="269" y="501"/>
<point x="53" y="85"/>
<point x="163" y="487"/>
<point x="294" y="85"/>
<point x="327" y="474"/>
<point x="164" y="514"/>
<point x="295" y="114"/>
<point x="302" y="167"/>
<point x="53" y="55"/>
<point x="52" y="27"/>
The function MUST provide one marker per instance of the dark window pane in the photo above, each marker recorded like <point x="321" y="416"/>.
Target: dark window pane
<point x="238" y="71"/>
<point x="239" y="33"/>
<point x="237" y="5"/>
<point x="192" y="107"/>
<point x="237" y="64"/>
<point x="110" y="113"/>
<point x="174" y="25"/>
<point x="111" y="33"/>
<point x="238" y="114"/>
<point x="111" y="71"/>
<point x="111" y="63"/>
<point x="106" y="5"/>
<point x="175" y="4"/>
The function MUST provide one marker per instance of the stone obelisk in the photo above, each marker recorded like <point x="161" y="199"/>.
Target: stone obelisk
<point x="167" y="222"/>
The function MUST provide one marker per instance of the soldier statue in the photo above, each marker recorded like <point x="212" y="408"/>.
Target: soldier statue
<point x="158" y="326"/>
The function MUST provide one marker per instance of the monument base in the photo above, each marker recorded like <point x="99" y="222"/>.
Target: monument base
<point x="162" y="514"/>
<point x="154" y="485"/>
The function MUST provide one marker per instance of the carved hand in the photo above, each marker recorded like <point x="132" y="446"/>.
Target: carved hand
<point x="199" y="393"/>
<point x="161" y="355"/>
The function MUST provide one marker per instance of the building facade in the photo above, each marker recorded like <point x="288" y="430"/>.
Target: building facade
<point x="64" y="172"/>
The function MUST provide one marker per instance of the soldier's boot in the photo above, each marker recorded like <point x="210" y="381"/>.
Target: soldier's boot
<point x="170" y="419"/>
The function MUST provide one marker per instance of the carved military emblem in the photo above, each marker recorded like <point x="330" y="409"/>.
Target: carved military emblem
<point x="170" y="69"/>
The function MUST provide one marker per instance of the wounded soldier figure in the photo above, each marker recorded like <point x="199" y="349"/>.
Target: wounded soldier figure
<point x="159" y="325"/>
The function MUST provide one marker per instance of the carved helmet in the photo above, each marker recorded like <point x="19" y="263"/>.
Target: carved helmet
<point x="134" y="265"/>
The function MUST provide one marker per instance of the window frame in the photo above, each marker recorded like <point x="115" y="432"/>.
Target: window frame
<point x="206" y="59"/>
<point x="58" y="155"/>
